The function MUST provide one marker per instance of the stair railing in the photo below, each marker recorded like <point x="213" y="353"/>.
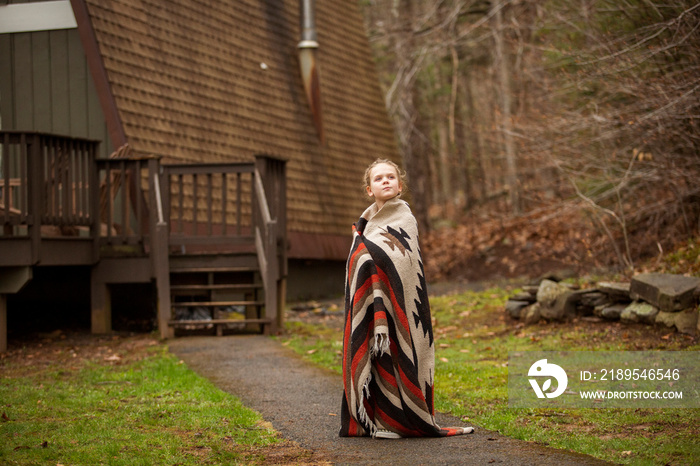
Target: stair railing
<point x="160" y="258"/>
<point x="270" y="233"/>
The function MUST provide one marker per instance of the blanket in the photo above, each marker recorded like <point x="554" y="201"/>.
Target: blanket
<point x="388" y="347"/>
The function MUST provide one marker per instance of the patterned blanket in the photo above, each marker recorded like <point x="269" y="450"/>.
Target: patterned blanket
<point x="388" y="351"/>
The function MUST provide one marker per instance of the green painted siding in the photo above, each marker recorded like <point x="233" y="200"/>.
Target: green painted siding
<point x="46" y="86"/>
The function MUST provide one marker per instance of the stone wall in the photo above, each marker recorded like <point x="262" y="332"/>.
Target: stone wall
<point x="652" y="298"/>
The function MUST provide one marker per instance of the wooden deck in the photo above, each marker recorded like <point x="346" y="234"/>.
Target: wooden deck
<point x="216" y="231"/>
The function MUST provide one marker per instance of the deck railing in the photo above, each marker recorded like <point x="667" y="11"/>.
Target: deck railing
<point x="48" y="180"/>
<point x="45" y="179"/>
<point x="208" y="204"/>
<point x="45" y="186"/>
<point x="124" y="209"/>
<point x="55" y="186"/>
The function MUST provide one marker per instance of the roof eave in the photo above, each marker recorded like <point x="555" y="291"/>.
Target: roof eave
<point x="99" y="73"/>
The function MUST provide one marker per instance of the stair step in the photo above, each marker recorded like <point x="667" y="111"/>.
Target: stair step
<point x="178" y="323"/>
<point x="218" y="303"/>
<point x="237" y="286"/>
<point x="212" y="269"/>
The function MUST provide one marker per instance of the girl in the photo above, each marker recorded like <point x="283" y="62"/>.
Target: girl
<point x="388" y="347"/>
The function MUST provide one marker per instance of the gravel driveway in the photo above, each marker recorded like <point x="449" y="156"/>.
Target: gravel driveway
<point x="302" y="402"/>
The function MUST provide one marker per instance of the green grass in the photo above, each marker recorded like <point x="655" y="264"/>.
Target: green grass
<point x="473" y="337"/>
<point x="149" y="411"/>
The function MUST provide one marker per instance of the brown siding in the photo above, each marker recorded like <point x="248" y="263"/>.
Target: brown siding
<point x="188" y="83"/>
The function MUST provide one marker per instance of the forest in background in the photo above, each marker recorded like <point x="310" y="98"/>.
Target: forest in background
<point x="544" y="133"/>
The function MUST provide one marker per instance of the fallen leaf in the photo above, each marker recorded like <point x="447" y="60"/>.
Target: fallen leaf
<point x="444" y="360"/>
<point x="311" y="351"/>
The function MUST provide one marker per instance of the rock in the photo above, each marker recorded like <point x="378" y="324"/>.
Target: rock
<point x="514" y="307"/>
<point x="585" y="301"/>
<point x="531" y="314"/>
<point x="667" y="292"/>
<point x="610" y="311"/>
<point x="685" y="321"/>
<point x="554" y="300"/>
<point x="525" y="296"/>
<point x="558" y="275"/>
<point x="644" y="312"/>
<point x="628" y="316"/>
<point x="616" y="291"/>
<point x="665" y="318"/>
<point x="592" y="298"/>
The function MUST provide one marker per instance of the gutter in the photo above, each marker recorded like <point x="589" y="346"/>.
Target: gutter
<point x="308" y="49"/>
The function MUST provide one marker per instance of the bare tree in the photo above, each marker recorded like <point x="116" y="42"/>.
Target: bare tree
<point x="505" y="91"/>
<point x="519" y="106"/>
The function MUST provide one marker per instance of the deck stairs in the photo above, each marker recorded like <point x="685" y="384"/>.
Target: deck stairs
<point x="223" y="293"/>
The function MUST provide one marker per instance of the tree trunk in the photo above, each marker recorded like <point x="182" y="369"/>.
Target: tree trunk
<point x="503" y="68"/>
<point x="411" y="142"/>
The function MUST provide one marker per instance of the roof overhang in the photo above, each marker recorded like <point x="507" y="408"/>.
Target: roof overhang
<point x="38" y="16"/>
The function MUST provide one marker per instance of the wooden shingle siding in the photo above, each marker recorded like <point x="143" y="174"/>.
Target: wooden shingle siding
<point x="210" y="81"/>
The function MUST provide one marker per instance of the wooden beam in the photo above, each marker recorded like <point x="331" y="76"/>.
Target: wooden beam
<point x="98" y="72"/>
<point x="3" y="322"/>
<point x="12" y="279"/>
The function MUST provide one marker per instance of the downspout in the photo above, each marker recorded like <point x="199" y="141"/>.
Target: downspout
<point x="308" y="48"/>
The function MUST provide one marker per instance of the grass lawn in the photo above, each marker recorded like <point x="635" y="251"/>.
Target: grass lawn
<point x="122" y="401"/>
<point x="473" y="336"/>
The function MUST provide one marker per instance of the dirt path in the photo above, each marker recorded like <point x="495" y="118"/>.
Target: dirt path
<point x="303" y="403"/>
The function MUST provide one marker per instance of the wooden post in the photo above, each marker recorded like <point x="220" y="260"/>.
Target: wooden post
<point x="162" y="273"/>
<point x="100" y="304"/>
<point x="35" y="175"/>
<point x="159" y="227"/>
<point x="3" y="322"/>
<point x="281" y="302"/>
<point x="273" y="174"/>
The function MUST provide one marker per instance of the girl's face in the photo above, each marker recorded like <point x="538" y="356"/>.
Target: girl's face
<point x="384" y="183"/>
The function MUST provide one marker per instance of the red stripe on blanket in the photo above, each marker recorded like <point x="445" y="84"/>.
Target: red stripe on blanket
<point x="400" y="313"/>
<point x="385" y="375"/>
<point x="362" y="291"/>
<point x="451" y="431"/>
<point x="379" y="315"/>
<point x="396" y="424"/>
<point x="410" y="385"/>
<point x="358" y="356"/>
<point x="346" y="346"/>
<point x="359" y="249"/>
<point x="352" y="428"/>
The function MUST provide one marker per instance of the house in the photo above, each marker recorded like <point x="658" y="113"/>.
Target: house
<point x="204" y="82"/>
